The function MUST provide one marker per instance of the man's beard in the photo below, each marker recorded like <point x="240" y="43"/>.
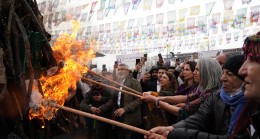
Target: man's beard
<point x="121" y="77"/>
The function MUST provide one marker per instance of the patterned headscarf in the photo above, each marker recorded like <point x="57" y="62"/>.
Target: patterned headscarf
<point x="251" y="47"/>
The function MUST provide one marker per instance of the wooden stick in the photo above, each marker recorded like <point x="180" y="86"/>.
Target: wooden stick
<point x="105" y="120"/>
<point x="112" y="87"/>
<point x="130" y="89"/>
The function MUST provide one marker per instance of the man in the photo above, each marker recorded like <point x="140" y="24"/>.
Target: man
<point x="223" y="57"/>
<point x="96" y="102"/>
<point x="128" y="108"/>
<point x="171" y="69"/>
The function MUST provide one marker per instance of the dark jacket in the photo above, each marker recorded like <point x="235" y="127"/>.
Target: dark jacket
<point x="206" y="123"/>
<point x="249" y="116"/>
<point x="131" y="104"/>
<point x="103" y="105"/>
<point x="150" y="85"/>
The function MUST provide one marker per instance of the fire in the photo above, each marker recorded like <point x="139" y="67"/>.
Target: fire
<point x="73" y="55"/>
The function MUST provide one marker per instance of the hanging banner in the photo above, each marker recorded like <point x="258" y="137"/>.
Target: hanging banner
<point x="228" y="16"/>
<point x="209" y="7"/>
<point x="225" y="27"/>
<point x="93" y="6"/>
<point x="171" y="16"/>
<point x="122" y="24"/>
<point x="202" y="23"/>
<point x="147" y="4"/>
<point x="159" y="3"/>
<point x="255" y="11"/>
<point x="101" y="28"/>
<point x="191" y="22"/>
<point x="84" y="17"/>
<point x="236" y="36"/>
<point x="115" y="26"/>
<point x="149" y="19"/>
<point x="228" y="4"/>
<point x="108" y="27"/>
<point x="159" y="18"/>
<point x="195" y="10"/>
<point x="182" y="13"/>
<point x="63" y="15"/>
<point x="151" y="30"/>
<point x="81" y="31"/>
<point x="216" y="18"/>
<point x="135" y="4"/>
<point x="241" y="13"/>
<point x="89" y="30"/>
<point x="55" y="3"/>
<point x="238" y="23"/>
<point x="102" y="4"/>
<point x="228" y="38"/>
<point x="130" y="23"/>
<point x="136" y="31"/>
<point x="100" y="14"/>
<point x="247" y="22"/>
<point x="126" y="7"/>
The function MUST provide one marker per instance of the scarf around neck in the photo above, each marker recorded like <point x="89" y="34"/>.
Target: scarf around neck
<point x="236" y="101"/>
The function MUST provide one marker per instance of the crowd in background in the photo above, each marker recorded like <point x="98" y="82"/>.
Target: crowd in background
<point x="203" y="99"/>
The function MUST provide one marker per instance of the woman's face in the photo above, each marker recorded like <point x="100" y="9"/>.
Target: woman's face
<point x="196" y="74"/>
<point x="251" y="70"/>
<point x="165" y="80"/>
<point x="187" y="73"/>
<point x="230" y="81"/>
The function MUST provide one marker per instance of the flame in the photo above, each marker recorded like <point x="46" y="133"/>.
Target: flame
<point x="74" y="55"/>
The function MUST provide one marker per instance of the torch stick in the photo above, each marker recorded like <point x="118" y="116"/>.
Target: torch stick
<point x="102" y="119"/>
<point x="130" y="89"/>
<point x="112" y="87"/>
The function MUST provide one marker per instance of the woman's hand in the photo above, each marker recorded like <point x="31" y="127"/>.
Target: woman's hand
<point x="148" y="98"/>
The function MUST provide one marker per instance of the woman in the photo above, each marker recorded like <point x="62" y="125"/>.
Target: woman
<point x="251" y="71"/>
<point x="207" y="73"/>
<point x="216" y="117"/>
<point x="168" y="86"/>
<point x="188" y="87"/>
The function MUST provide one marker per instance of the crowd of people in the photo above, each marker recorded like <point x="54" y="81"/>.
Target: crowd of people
<point x="213" y="98"/>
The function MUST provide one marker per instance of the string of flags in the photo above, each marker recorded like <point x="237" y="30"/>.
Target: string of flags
<point x="153" y="32"/>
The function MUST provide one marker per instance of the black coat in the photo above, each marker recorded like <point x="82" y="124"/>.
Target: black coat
<point x="150" y="85"/>
<point x="103" y="105"/>
<point x="205" y="124"/>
